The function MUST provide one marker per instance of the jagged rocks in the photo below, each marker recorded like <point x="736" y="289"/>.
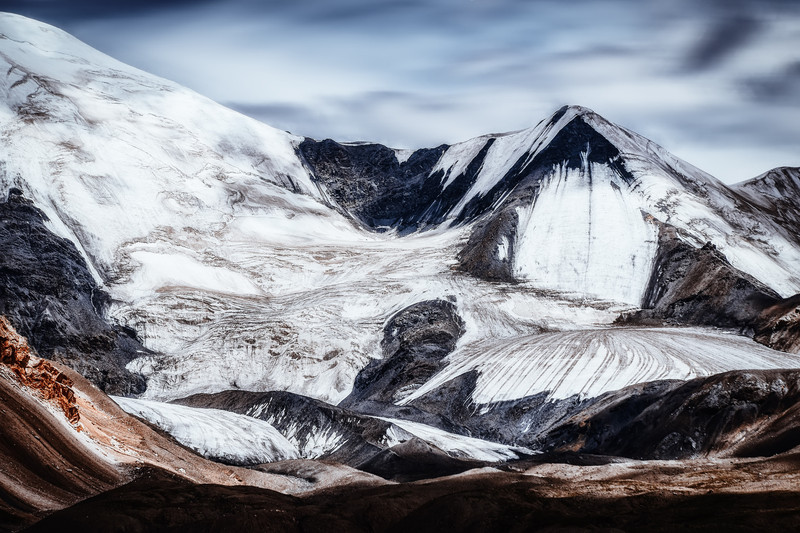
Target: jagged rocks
<point x="319" y="430"/>
<point x="47" y="381"/>
<point x="415" y="342"/>
<point x="776" y="193"/>
<point x="50" y="297"/>
<point x="490" y="250"/>
<point x="14" y="350"/>
<point x="368" y="182"/>
<point x="698" y="286"/>
<point x="779" y="325"/>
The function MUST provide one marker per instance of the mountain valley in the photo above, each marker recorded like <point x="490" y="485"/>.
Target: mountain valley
<point x="240" y="327"/>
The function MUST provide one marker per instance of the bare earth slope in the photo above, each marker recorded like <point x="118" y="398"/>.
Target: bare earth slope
<point x="629" y="497"/>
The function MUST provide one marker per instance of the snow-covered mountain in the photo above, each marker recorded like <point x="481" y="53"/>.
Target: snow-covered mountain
<point x="248" y="258"/>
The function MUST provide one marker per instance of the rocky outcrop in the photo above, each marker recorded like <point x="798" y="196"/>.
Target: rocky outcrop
<point x="490" y="250"/>
<point x="698" y="286"/>
<point x="779" y="325"/>
<point x="332" y="433"/>
<point x="318" y="429"/>
<point x="415" y="342"/>
<point x="51" y="298"/>
<point x="776" y="193"/>
<point x="43" y="378"/>
<point x="369" y="183"/>
<point x="740" y="413"/>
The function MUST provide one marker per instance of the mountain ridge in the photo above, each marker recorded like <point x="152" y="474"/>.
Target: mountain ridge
<point x="567" y="293"/>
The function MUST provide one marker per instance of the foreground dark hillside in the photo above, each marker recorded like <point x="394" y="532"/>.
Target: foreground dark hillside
<point x="652" y="498"/>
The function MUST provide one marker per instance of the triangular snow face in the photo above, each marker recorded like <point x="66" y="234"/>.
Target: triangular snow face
<point x="577" y="215"/>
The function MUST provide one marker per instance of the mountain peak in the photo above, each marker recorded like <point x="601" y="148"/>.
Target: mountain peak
<point x="573" y="110"/>
<point x="780" y="182"/>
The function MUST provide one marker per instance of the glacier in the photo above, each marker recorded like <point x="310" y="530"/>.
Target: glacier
<point x="239" y="269"/>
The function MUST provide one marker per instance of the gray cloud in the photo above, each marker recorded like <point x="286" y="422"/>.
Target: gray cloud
<point x="781" y="87"/>
<point x="275" y="114"/>
<point x="61" y="12"/>
<point x="724" y="36"/>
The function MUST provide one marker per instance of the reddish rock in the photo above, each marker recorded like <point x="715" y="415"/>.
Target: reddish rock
<point x="39" y="374"/>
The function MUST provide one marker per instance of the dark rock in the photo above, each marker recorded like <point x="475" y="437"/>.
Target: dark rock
<point x="675" y="419"/>
<point x="779" y="325"/>
<point x="414" y="460"/>
<point x="698" y="286"/>
<point x="566" y="148"/>
<point x="50" y="297"/>
<point x="482" y="255"/>
<point x="415" y="342"/>
<point x="307" y="418"/>
<point x="497" y="501"/>
<point x="362" y="438"/>
<point x="367" y="182"/>
<point x="777" y="194"/>
<point x="575" y="145"/>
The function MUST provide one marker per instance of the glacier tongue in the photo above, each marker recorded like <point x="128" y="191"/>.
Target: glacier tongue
<point x="215" y="434"/>
<point x="594" y="361"/>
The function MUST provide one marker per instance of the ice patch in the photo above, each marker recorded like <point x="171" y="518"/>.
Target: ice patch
<point x="215" y="434"/>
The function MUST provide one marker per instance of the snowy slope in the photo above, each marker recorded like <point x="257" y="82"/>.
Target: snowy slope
<point x="221" y="252"/>
<point x="321" y="440"/>
<point x="215" y="434"/>
<point x="84" y="135"/>
<point x="591" y="362"/>
<point x="454" y="445"/>
<point x="605" y="249"/>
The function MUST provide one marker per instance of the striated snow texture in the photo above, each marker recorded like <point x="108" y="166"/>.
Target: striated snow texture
<point x="454" y="445"/>
<point x="591" y="362"/>
<point x="215" y="434"/>
<point x="596" y="238"/>
<point x="313" y="442"/>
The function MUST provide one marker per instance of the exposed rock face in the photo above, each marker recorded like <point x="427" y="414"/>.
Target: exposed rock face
<point x="368" y="182"/>
<point x="14" y="350"/>
<point x="49" y="295"/>
<point x="50" y="383"/>
<point x="698" y="286"/>
<point x="777" y="193"/>
<point x="779" y="325"/>
<point x="415" y="342"/>
<point x="319" y="430"/>
<point x="490" y="250"/>
<point x="741" y="413"/>
<point x="332" y="433"/>
<point x="520" y="422"/>
<point x="44" y="464"/>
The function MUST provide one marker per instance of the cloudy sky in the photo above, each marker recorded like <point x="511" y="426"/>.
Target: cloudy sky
<point x="715" y="82"/>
